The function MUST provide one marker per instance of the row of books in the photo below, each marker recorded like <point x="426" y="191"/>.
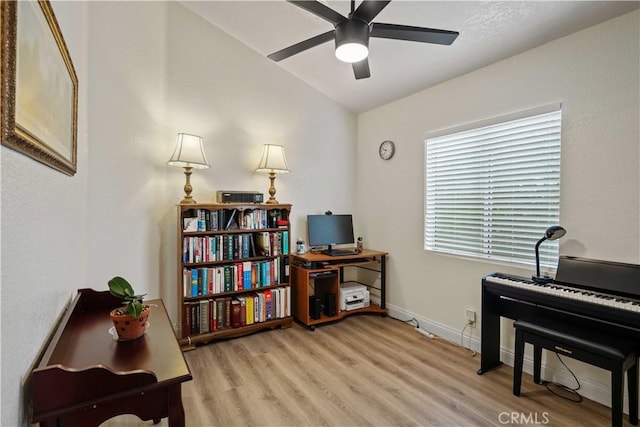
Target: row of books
<point x="224" y="247"/>
<point x="210" y="315"/>
<point x="239" y="276"/>
<point x="233" y="219"/>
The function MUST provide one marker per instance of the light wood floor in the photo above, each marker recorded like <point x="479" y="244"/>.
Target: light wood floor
<point x="363" y="371"/>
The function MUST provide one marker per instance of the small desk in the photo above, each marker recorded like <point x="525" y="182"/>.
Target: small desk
<point x="305" y="268"/>
<point x="86" y="377"/>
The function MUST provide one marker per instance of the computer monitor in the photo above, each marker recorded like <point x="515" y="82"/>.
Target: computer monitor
<point x="328" y="230"/>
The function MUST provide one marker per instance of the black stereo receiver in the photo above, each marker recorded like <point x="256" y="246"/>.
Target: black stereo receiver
<point x="239" y="197"/>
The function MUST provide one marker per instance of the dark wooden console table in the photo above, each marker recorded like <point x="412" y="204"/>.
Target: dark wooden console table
<point x="85" y="376"/>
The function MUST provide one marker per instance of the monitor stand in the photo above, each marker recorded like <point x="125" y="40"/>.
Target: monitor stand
<point x="328" y="251"/>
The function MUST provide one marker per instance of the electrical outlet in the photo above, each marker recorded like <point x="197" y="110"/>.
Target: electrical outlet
<point x="471" y="316"/>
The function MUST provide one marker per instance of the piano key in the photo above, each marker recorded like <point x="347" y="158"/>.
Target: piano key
<point x="568" y="292"/>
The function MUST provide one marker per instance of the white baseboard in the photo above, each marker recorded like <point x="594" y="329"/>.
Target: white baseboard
<point x="589" y="388"/>
<point x="452" y="335"/>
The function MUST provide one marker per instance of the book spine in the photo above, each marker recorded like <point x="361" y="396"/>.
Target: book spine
<point x="201" y="220"/>
<point x="204" y="316"/>
<point x="186" y="319"/>
<point x="186" y="282"/>
<point x="237" y="276"/>
<point x="212" y="315"/>
<point x="285" y="243"/>
<point x="243" y="311"/>
<point x="219" y="285"/>
<point x="250" y="311"/>
<point x="204" y="281"/>
<point x="220" y="313"/>
<point x="268" y="304"/>
<point x="235" y="313"/>
<point x="227" y="311"/>
<point x="195" y="318"/>
<point x="194" y="282"/>
<point x="246" y="275"/>
<point x="230" y="220"/>
<point x="214" y="221"/>
<point x="228" y="278"/>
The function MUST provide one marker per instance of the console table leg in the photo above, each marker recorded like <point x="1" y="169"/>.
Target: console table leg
<point x="176" y="410"/>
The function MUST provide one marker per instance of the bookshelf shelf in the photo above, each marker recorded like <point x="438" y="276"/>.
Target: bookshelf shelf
<point x="233" y="275"/>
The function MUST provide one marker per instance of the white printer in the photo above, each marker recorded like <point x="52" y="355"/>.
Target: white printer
<point x="353" y="295"/>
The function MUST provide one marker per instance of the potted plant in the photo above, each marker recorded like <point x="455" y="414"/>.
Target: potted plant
<point x="129" y="321"/>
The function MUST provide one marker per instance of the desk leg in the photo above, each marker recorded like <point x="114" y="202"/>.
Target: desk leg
<point x="176" y="410"/>
<point x="383" y="281"/>
<point x="490" y="332"/>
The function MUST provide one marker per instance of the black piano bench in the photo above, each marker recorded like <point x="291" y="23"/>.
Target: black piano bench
<point x="584" y="342"/>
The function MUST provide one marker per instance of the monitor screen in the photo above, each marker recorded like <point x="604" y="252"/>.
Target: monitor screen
<point x="326" y="230"/>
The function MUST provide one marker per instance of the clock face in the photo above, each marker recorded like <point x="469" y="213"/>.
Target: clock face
<point x="386" y="150"/>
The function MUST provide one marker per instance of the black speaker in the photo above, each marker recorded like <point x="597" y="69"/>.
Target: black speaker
<point x="315" y="307"/>
<point x="330" y="304"/>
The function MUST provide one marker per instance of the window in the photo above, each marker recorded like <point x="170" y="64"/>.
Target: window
<point x="492" y="191"/>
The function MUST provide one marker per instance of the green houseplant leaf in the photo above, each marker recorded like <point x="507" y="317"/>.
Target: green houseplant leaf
<point x="122" y="289"/>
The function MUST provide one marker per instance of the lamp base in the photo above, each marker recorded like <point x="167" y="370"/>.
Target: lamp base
<point x="188" y="200"/>
<point x="272" y="189"/>
<point x="542" y="279"/>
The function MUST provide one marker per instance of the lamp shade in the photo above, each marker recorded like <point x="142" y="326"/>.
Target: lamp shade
<point x="554" y="232"/>
<point x="189" y="152"/>
<point x="352" y="41"/>
<point x="273" y="159"/>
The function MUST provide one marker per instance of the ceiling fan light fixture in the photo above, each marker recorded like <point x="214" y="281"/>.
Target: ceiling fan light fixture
<point x="352" y="40"/>
<point x="352" y="52"/>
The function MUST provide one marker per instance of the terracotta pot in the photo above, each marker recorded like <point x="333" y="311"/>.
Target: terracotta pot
<point x="128" y="327"/>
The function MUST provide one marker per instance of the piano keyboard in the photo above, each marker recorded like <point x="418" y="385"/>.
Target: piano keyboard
<point x="569" y="292"/>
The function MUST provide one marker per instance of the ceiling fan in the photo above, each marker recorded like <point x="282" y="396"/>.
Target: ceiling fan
<point x="352" y="33"/>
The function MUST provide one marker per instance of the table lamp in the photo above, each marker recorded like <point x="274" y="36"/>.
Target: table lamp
<point x="552" y="233"/>
<point x="273" y="161"/>
<point x="188" y="154"/>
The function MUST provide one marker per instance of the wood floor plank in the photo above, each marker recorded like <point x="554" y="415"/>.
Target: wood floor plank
<point x="363" y="371"/>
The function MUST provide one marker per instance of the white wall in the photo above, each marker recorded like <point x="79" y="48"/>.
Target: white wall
<point x="148" y="70"/>
<point x="184" y="75"/>
<point x="595" y="75"/>
<point x="44" y="238"/>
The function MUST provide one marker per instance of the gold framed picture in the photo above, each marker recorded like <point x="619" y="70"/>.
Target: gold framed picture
<point x="39" y="86"/>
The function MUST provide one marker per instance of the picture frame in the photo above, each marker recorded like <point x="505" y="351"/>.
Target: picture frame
<point x="39" y="110"/>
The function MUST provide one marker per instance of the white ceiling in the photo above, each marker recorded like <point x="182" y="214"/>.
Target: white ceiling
<point x="489" y="31"/>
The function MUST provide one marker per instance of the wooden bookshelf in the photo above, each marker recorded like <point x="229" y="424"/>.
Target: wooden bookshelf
<point x="233" y="275"/>
<point x="320" y="274"/>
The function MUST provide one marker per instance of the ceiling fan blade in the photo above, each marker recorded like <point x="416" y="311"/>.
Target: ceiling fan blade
<point x="361" y="69"/>
<point x="416" y="34"/>
<point x="370" y="9"/>
<point x="302" y="46"/>
<point x="320" y="10"/>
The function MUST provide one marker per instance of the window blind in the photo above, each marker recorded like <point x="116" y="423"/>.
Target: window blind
<point x="492" y="191"/>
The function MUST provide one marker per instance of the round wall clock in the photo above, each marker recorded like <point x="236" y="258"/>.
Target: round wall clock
<point x="386" y="150"/>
